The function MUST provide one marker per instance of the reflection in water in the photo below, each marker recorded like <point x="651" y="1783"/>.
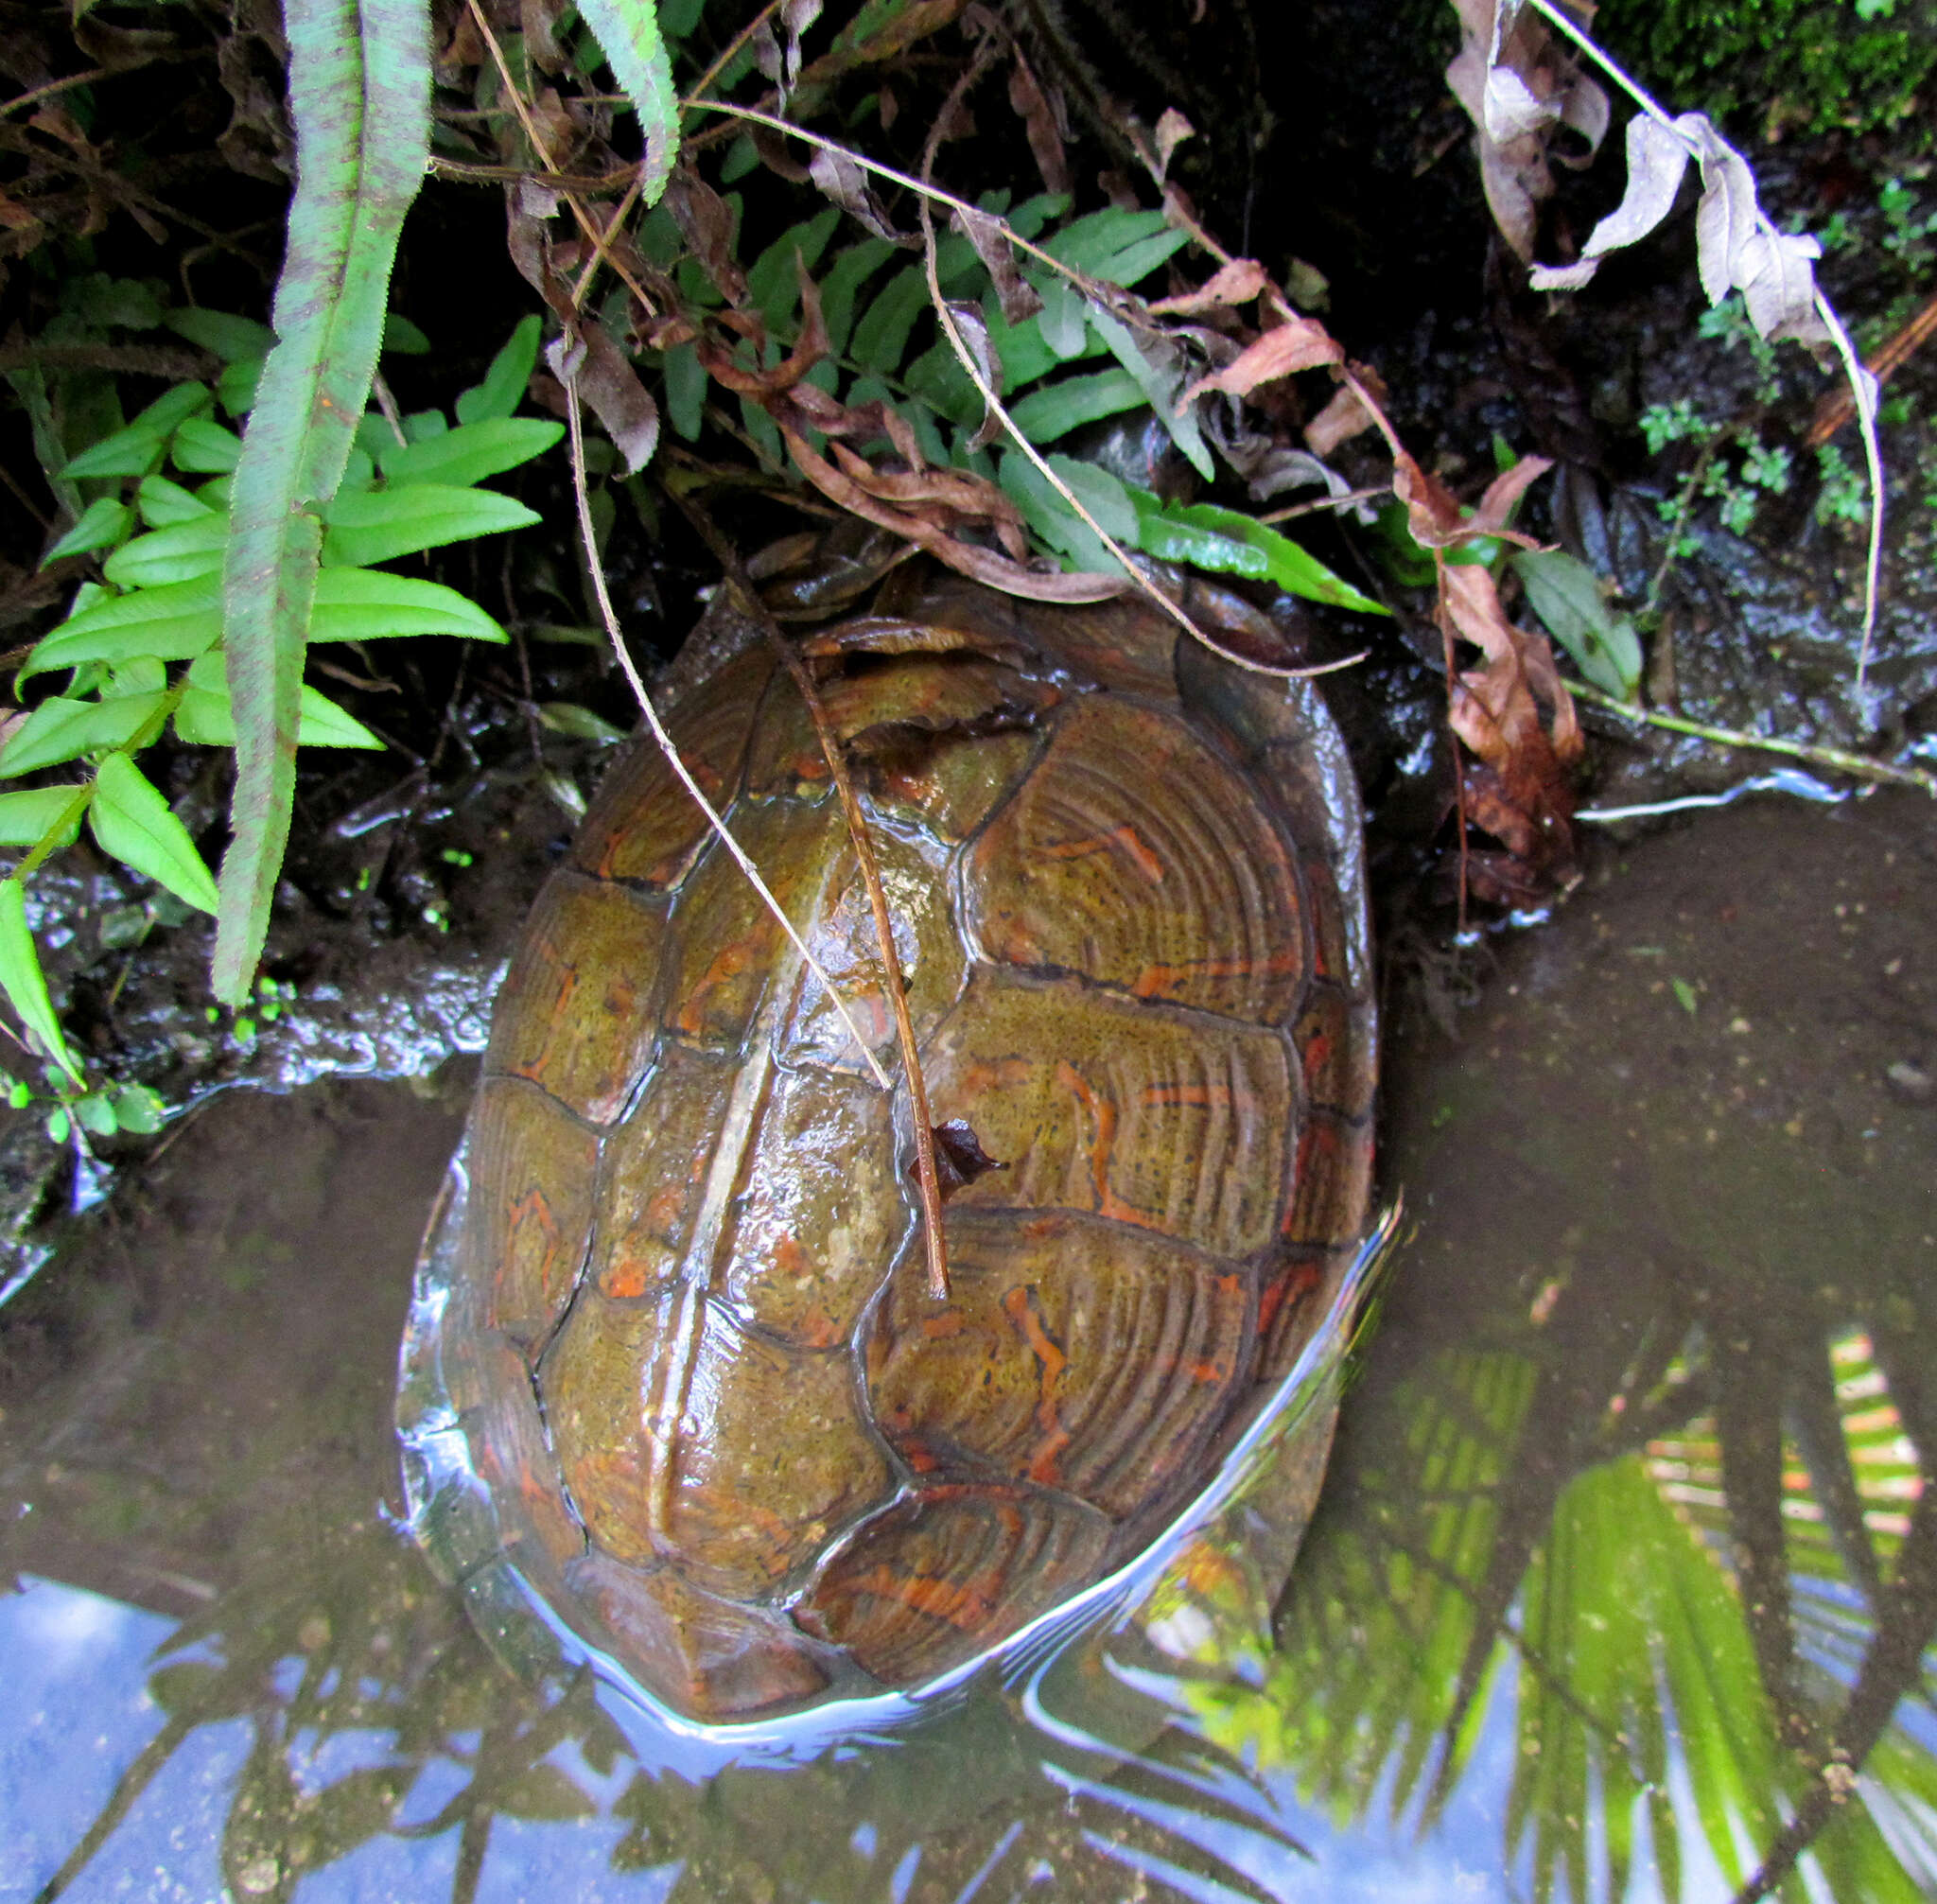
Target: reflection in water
<point x="1624" y="1583"/>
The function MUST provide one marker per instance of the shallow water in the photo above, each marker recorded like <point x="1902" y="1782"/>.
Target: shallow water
<point x="1625" y="1579"/>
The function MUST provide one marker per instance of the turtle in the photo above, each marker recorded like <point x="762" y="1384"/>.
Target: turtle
<point x="675" y="1332"/>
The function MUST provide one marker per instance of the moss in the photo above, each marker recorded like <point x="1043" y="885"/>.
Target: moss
<point x="1804" y="65"/>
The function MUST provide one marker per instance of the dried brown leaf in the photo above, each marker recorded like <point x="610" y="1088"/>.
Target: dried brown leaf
<point x="959" y="1158"/>
<point x="1300" y="344"/>
<point x="1173" y="129"/>
<point x="1041" y="124"/>
<point x="1236" y="282"/>
<point x="843" y="181"/>
<point x="706" y="222"/>
<point x="1340" y="420"/>
<point x="990" y="237"/>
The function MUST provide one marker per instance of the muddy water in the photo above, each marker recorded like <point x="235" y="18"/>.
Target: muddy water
<point x="1625" y="1583"/>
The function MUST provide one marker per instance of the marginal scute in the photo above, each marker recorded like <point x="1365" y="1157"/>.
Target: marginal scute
<point x="574" y="1016"/>
<point x="1166" y="1120"/>
<point x="941" y="1577"/>
<point x="705" y="1655"/>
<point x="514" y="1457"/>
<point x="1135" y="855"/>
<point x="530" y="1206"/>
<point x="1072" y="1352"/>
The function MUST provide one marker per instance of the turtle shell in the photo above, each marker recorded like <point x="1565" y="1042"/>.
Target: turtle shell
<point x="728" y="1434"/>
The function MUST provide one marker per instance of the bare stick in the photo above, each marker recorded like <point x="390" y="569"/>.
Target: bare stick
<point x="1836" y="759"/>
<point x="576" y="422"/>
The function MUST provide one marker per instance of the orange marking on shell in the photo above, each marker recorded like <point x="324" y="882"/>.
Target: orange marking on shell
<point x="1104" y="1114"/>
<point x="623" y="1276"/>
<point x="959" y="1606"/>
<point x="936" y="1327"/>
<point x="1124" y="839"/>
<point x="1051" y="1359"/>
<point x="818" y="1330"/>
<point x="1154" y="979"/>
<point x="664" y="1205"/>
<point x="727" y="965"/>
<point x="1214" y="1372"/>
<point x="1296" y="1283"/>
<point x="1194" y="1096"/>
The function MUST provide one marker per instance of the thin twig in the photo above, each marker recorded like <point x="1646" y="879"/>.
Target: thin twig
<point x="51" y="88"/>
<point x="575" y="422"/>
<point x="1837" y="760"/>
<point x="927" y="1179"/>
<point x="726" y="59"/>
<point x="1350" y="499"/>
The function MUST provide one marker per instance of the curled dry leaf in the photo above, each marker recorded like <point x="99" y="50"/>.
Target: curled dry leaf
<point x="990" y="237"/>
<point x="841" y="181"/>
<point x="1496" y="709"/>
<point x="1041" y="124"/>
<point x="1236" y="282"/>
<point x="705" y="222"/>
<point x="1517" y="85"/>
<point x="1173" y="129"/>
<point x="1300" y="345"/>
<point x="1338" y="421"/>
<point x="959" y="1158"/>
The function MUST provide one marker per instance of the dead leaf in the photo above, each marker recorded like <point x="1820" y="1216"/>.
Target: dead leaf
<point x="1173" y="129"/>
<point x="611" y="388"/>
<point x="1040" y="125"/>
<point x="1503" y="492"/>
<point x="1236" y="282"/>
<point x="959" y="1158"/>
<point x="1300" y="344"/>
<point x="843" y="181"/>
<point x="1657" y="161"/>
<point x="706" y="222"/>
<point x="990" y="237"/>
<point x="1340" y="420"/>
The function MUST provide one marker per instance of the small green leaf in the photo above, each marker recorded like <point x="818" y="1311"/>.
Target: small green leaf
<point x="102" y="524"/>
<point x="236" y="388"/>
<point x="771" y="284"/>
<point x="1685" y="995"/>
<point x="1056" y="408"/>
<point x="370" y="604"/>
<point x="22" y="979"/>
<point x="842" y="285"/>
<point x="1162" y="384"/>
<point x="28" y="816"/>
<point x="1052" y="518"/>
<point x="377" y="526"/>
<point x="1251" y="548"/>
<point x="18" y="1095"/>
<point x="183" y="553"/>
<point x="1119" y="247"/>
<point x="686" y="390"/>
<point x="504" y="388"/>
<point x="174" y="623"/>
<point x="133" y="451"/>
<point x="1064" y="318"/>
<point x="162" y="503"/>
<point x="203" y="447"/>
<point x="139" y="1110"/>
<point x="470" y="452"/>
<point x="205" y="717"/>
<point x="579" y="724"/>
<point x="223" y="335"/>
<point x="60" y="729"/>
<point x="96" y="1114"/>
<point x="1567" y="596"/>
<point x="133" y="824"/>
<point x="880" y="339"/>
<point x="59" y="1126"/>
<point x="402" y="337"/>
